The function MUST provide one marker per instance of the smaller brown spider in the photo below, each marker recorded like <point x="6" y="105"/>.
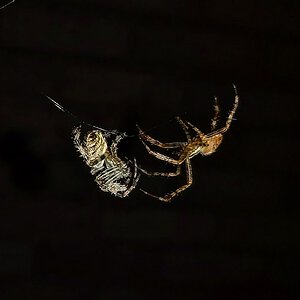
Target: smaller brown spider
<point x="204" y="144"/>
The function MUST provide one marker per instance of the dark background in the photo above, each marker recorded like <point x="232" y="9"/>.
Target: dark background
<point x="234" y="234"/>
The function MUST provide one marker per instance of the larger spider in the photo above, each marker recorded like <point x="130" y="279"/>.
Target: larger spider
<point x="205" y="144"/>
<point x="112" y="174"/>
<point x="99" y="150"/>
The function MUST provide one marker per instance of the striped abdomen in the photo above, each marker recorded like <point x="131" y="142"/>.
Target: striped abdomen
<point x="95" y="147"/>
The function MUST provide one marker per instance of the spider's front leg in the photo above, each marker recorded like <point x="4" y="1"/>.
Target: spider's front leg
<point x="197" y="130"/>
<point x="215" y="119"/>
<point x="233" y="110"/>
<point x="184" y="127"/>
<point x="144" y="137"/>
<point x="231" y="113"/>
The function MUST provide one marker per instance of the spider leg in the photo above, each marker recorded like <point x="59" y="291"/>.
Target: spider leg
<point x="114" y="145"/>
<point x="233" y="110"/>
<point x="162" y="156"/>
<point x="215" y="119"/>
<point x="230" y="116"/>
<point x="170" y="196"/>
<point x="197" y="130"/>
<point x="155" y="142"/>
<point x="77" y="143"/>
<point x="165" y="174"/>
<point x="135" y="179"/>
<point x="184" y="127"/>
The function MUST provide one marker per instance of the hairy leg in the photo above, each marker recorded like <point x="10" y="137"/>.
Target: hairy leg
<point x="77" y="142"/>
<point x="230" y="116"/>
<point x="162" y="156"/>
<point x="135" y="179"/>
<point x="170" y="196"/>
<point x="185" y="128"/>
<point x="233" y="110"/>
<point x="215" y="119"/>
<point x="164" y="174"/>
<point x="155" y="142"/>
<point x="197" y="130"/>
<point x="114" y="145"/>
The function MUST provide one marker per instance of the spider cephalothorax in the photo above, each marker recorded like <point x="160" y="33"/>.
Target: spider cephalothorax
<point x="200" y="143"/>
<point x="112" y="174"/>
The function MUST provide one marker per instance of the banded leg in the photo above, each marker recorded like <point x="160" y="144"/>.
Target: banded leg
<point x="197" y="130"/>
<point x="170" y="196"/>
<point x="215" y="119"/>
<point x="162" y="156"/>
<point x="233" y="110"/>
<point x="114" y="145"/>
<point x="77" y="143"/>
<point x="135" y="179"/>
<point x="155" y="142"/>
<point x="231" y="114"/>
<point x="165" y="174"/>
<point x="185" y="128"/>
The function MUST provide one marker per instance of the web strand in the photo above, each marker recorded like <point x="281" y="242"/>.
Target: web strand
<point x="1" y="7"/>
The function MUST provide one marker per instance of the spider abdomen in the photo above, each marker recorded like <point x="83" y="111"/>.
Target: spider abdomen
<point x="95" y="147"/>
<point x="111" y="177"/>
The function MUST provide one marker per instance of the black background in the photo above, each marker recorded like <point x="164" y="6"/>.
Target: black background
<point x="234" y="234"/>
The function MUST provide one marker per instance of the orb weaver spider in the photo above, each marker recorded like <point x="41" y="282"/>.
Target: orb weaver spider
<point x="99" y="150"/>
<point x="204" y="144"/>
<point x="112" y="174"/>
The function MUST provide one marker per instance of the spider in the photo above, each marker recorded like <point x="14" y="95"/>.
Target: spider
<point x="204" y="144"/>
<point x="98" y="148"/>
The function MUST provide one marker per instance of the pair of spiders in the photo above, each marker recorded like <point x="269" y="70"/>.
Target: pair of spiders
<point x="99" y="148"/>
